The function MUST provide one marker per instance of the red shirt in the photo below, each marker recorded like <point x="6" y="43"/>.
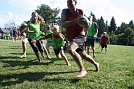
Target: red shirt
<point x="75" y="29"/>
<point x="18" y="32"/>
<point x="104" y="40"/>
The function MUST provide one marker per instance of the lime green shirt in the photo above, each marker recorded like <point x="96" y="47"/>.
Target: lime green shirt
<point x="91" y="31"/>
<point x="57" y="42"/>
<point x="33" y="27"/>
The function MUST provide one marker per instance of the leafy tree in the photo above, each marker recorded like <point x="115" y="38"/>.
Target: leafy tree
<point x="131" y="24"/>
<point x="94" y="17"/>
<point x="123" y="27"/>
<point x="102" y="26"/>
<point x="47" y="13"/>
<point x="112" y="26"/>
<point x="129" y="33"/>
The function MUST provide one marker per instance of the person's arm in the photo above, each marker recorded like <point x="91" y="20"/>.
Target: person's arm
<point x="63" y="19"/>
<point x="96" y="32"/>
<point x="42" y="38"/>
<point x="29" y="31"/>
<point x="61" y="36"/>
<point x="67" y="23"/>
<point x="96" y="28"/>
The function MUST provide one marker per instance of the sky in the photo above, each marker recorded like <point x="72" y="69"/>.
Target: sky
<point x="20" y="10"/>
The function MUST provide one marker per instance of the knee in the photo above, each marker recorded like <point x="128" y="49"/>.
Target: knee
<point x="70" y="51"/>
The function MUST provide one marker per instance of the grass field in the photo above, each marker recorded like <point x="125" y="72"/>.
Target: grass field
<point x="116" y="69"/>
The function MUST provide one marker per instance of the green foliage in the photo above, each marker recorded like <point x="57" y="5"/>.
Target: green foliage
<point x="102" y="27"/>
<point x="116" y="69"/>
<point x="113" y="38"/>
<point x="47" y="13"/>
<point x="112" y="26"/>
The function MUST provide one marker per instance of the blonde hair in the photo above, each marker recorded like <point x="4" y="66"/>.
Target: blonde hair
<point x="104" y="33"/>
<point x="56" y="27"/>
<point x="40" y="18"/>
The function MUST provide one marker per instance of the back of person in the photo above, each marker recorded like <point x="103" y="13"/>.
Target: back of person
<point x="92" y="30"/>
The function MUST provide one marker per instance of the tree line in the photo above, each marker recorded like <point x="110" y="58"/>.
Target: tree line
<point x="122" y="35"/>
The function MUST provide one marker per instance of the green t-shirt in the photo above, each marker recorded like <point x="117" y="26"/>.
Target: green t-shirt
<point x="49" y="39"/>
<point x="33" y="27"/>
<point x="91" y="31"/>
<point x="57" y="42"/>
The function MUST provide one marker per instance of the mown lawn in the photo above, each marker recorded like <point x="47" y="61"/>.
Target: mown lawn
<point x="116" y="69"/>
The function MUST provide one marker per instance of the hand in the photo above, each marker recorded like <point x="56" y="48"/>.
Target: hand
<point x="34" y="41"/>
<point x="36" y="30"/>
<point x="79" y="20"/>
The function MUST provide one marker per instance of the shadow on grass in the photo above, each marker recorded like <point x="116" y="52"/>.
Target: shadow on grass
<point x="22" y="53"/>
<point x="13" y="47"/>
<point x="10" y="61"/>
<point x="13" y="79"/>
<point x="131" y="87"/>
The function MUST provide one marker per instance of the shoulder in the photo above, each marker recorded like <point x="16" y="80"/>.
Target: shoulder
<point x="64" y="11"/>
<point x="81" y="11"/>
<point x="95" y="24"/>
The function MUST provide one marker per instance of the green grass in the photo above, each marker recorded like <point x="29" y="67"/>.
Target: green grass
<point x="116" y="69"/>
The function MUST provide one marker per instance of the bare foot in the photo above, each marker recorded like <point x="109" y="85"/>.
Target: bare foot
<point x="82" y="74"/>
<point x="23" y="56"/>
<point x="49" y="57"/>
<point x="97" y="67"/>
<point x="44" y="58"/>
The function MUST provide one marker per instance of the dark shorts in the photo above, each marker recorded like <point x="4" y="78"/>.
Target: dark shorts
<point x="80" y="41"/>
<point x="103" y="45"/>
<point x="90" y="42"/>
<point x="57" y="51"/>
<point x="36" y="46"/>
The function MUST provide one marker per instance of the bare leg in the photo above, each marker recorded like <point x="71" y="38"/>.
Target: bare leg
<point x="64" y="57"/>
<point x="101" y="49"/>
<point x="93" y="52"/>
<point x="46" y="52"/>
<point x="105" y="50"/>
<point x="24" y="47"/>
<point x="71" y="49"/>
<point x="37" y="55"/>
<point x="89" y="59"/>
<point x="88" y="50"/>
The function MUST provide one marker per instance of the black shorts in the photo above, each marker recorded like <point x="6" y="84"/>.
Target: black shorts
<point x="103" y="45"/>
<point x="90" y="42"/>
<point x="57" y="51"/>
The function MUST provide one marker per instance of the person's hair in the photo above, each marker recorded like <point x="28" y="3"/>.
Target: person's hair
<point x="48" y="26"/>
<point x="34" y="13"/>
<point x="74" y="1"/>
<point x="104" y="33"/>
<point x="56" y="26"/>
<point x="40" y="18"/>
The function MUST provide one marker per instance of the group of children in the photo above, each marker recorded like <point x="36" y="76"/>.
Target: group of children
<point x="54" y="39"/>
<point x="74" y="46"/>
